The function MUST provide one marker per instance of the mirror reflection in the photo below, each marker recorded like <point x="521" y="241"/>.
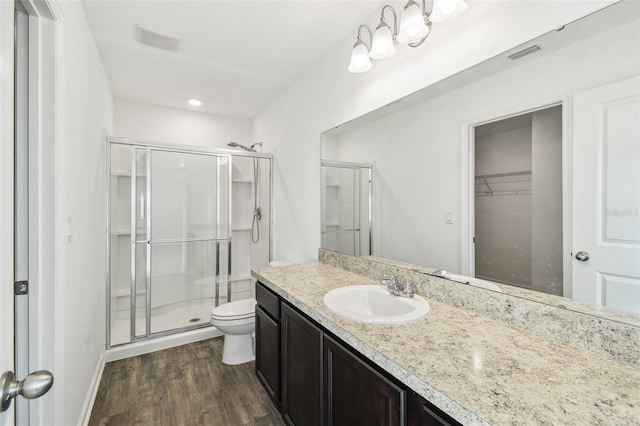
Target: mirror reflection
<point x="346" y="207"/>
<point x="524" y="170"/>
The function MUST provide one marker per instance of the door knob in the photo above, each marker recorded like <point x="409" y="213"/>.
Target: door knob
<point x="582" y="256"/>
<point x="33" y="386"/>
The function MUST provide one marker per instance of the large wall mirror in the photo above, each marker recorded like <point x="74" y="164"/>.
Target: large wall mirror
<point x="523" y="170"/>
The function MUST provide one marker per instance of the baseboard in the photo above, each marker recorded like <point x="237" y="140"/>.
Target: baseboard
<point x="87" y="407"/>
<point x="166" y="342"/>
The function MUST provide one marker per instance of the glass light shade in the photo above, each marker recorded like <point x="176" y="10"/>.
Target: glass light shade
<point x="382" y="46"/>
<point x="447" y="10"/>
<point x="412" y="25"/>
<point x="360" y="61"/>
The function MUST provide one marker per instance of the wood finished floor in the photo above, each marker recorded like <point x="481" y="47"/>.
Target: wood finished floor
<point x="187" y="385"/>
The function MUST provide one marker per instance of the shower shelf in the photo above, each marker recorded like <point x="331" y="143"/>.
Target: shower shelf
<point x="242" y="181"/>
<point x="240" y="277"/>
<point x="241" y="228"/>
<point x="126" y="175"/>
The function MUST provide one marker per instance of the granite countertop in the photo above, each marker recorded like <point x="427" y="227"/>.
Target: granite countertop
<point x="478" y="370"/>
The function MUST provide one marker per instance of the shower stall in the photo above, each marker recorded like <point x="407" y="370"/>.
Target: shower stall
<point x="181" y="239"/>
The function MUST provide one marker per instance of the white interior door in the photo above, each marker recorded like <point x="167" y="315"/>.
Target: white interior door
<point x="606" y="195"/>
<point x="15" y="376"/>
<point x="6" y="196"/>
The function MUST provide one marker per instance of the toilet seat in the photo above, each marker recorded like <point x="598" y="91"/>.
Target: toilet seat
<point x="234" y="311"/>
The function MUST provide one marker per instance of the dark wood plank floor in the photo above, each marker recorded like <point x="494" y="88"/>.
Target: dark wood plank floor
<point x="187" y="385"/>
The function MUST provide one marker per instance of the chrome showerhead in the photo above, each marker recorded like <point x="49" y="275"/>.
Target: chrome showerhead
<point x="237" y="145"/>
<point x="246" y="148"/>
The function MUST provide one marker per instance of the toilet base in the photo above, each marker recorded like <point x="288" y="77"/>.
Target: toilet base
<point x="238" y="349"/>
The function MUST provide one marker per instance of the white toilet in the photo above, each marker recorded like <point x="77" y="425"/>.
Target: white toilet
<point x="237" y="320"/>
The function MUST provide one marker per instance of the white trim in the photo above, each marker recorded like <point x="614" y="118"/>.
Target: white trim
<point x="467" y="252"/>
<point x="153" y="345"/>
<point x="567" y="196"/>
<point x="60" y="225"/>
<point x="44" y="9"/>
<point x="87" y="407"/>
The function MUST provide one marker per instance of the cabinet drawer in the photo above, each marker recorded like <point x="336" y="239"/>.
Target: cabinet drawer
<point x="268" y="300"/>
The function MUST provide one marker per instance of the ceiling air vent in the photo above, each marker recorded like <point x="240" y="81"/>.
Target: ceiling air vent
<point x="524" y="52"/>
<point x="159" y="39"/>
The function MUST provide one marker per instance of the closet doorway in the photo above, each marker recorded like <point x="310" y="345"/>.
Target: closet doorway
<point x="518" y="201"/>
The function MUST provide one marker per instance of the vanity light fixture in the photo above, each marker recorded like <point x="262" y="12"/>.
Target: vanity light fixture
<point x="415" y="25"/>
<point x="360" y="61"/>
<point x="447" y="10"/>
<point x="383" y="39"/>
<point x="194" y="102"/>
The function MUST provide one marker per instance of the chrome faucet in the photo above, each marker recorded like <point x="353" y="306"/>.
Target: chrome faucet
<point x="396" y="289"/>
<point x="391" y="283"/>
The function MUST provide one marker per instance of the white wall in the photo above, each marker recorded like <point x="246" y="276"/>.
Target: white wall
<point x="328" y="95"/>
<point x="168" y="125"/>
<point x="87" y="113"/>
<point x="421" y="147"/>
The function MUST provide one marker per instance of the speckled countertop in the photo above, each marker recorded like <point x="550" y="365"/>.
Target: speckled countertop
<point x="478" y="370"/>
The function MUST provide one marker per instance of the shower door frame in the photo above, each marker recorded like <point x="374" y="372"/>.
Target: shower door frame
<point x="183" y="149"/>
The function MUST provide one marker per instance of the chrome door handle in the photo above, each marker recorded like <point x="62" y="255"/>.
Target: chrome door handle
<point x="33" y="386"/>
<point x="582" y="256"/>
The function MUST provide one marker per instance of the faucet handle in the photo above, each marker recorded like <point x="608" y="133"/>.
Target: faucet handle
<point x="387" y="279"/>
<point x="409" y="288"/>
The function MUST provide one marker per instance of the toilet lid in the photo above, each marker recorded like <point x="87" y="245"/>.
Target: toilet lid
<point x="234" y="310"/>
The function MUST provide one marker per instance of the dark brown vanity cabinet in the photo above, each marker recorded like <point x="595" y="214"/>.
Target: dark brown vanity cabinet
<point x="421" y="412"/>
<point x="268" y="341"/>
<point x="316" y="379"/>
<point x="301" y="361"/>
<point x="356" y="394"/>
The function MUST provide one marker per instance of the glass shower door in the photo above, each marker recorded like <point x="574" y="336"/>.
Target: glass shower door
<point x="189" y="227"/>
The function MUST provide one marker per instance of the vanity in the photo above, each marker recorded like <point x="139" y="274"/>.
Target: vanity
<point x="452" y="367"/>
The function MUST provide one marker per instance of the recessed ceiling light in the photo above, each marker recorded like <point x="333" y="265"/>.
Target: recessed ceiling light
<point x="194" y="102"/>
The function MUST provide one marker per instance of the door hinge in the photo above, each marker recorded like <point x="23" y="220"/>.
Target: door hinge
<point x="21" y="287"/>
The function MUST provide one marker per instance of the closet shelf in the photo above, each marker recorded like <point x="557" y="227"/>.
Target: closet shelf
<point x="510" y="183"/>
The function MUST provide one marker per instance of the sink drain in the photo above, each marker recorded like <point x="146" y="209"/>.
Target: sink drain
<point x="194" y="320"/>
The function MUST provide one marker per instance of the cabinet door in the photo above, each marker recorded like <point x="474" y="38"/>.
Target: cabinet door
<point x="301" y="369"/>
<point x="356" y="394"/>
<point x="268" y="354"/>
<point x="423" y="413"/>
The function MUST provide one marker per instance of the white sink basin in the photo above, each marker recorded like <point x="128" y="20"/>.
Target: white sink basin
<point x="373" y="304"/>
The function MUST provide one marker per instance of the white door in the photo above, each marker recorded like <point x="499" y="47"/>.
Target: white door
<point x="606" y="195"/>
<point x="6" y="196"/>
<point x="14" y="224"/>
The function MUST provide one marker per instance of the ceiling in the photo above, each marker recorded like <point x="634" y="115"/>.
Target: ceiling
<point x="236" y="56"/>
